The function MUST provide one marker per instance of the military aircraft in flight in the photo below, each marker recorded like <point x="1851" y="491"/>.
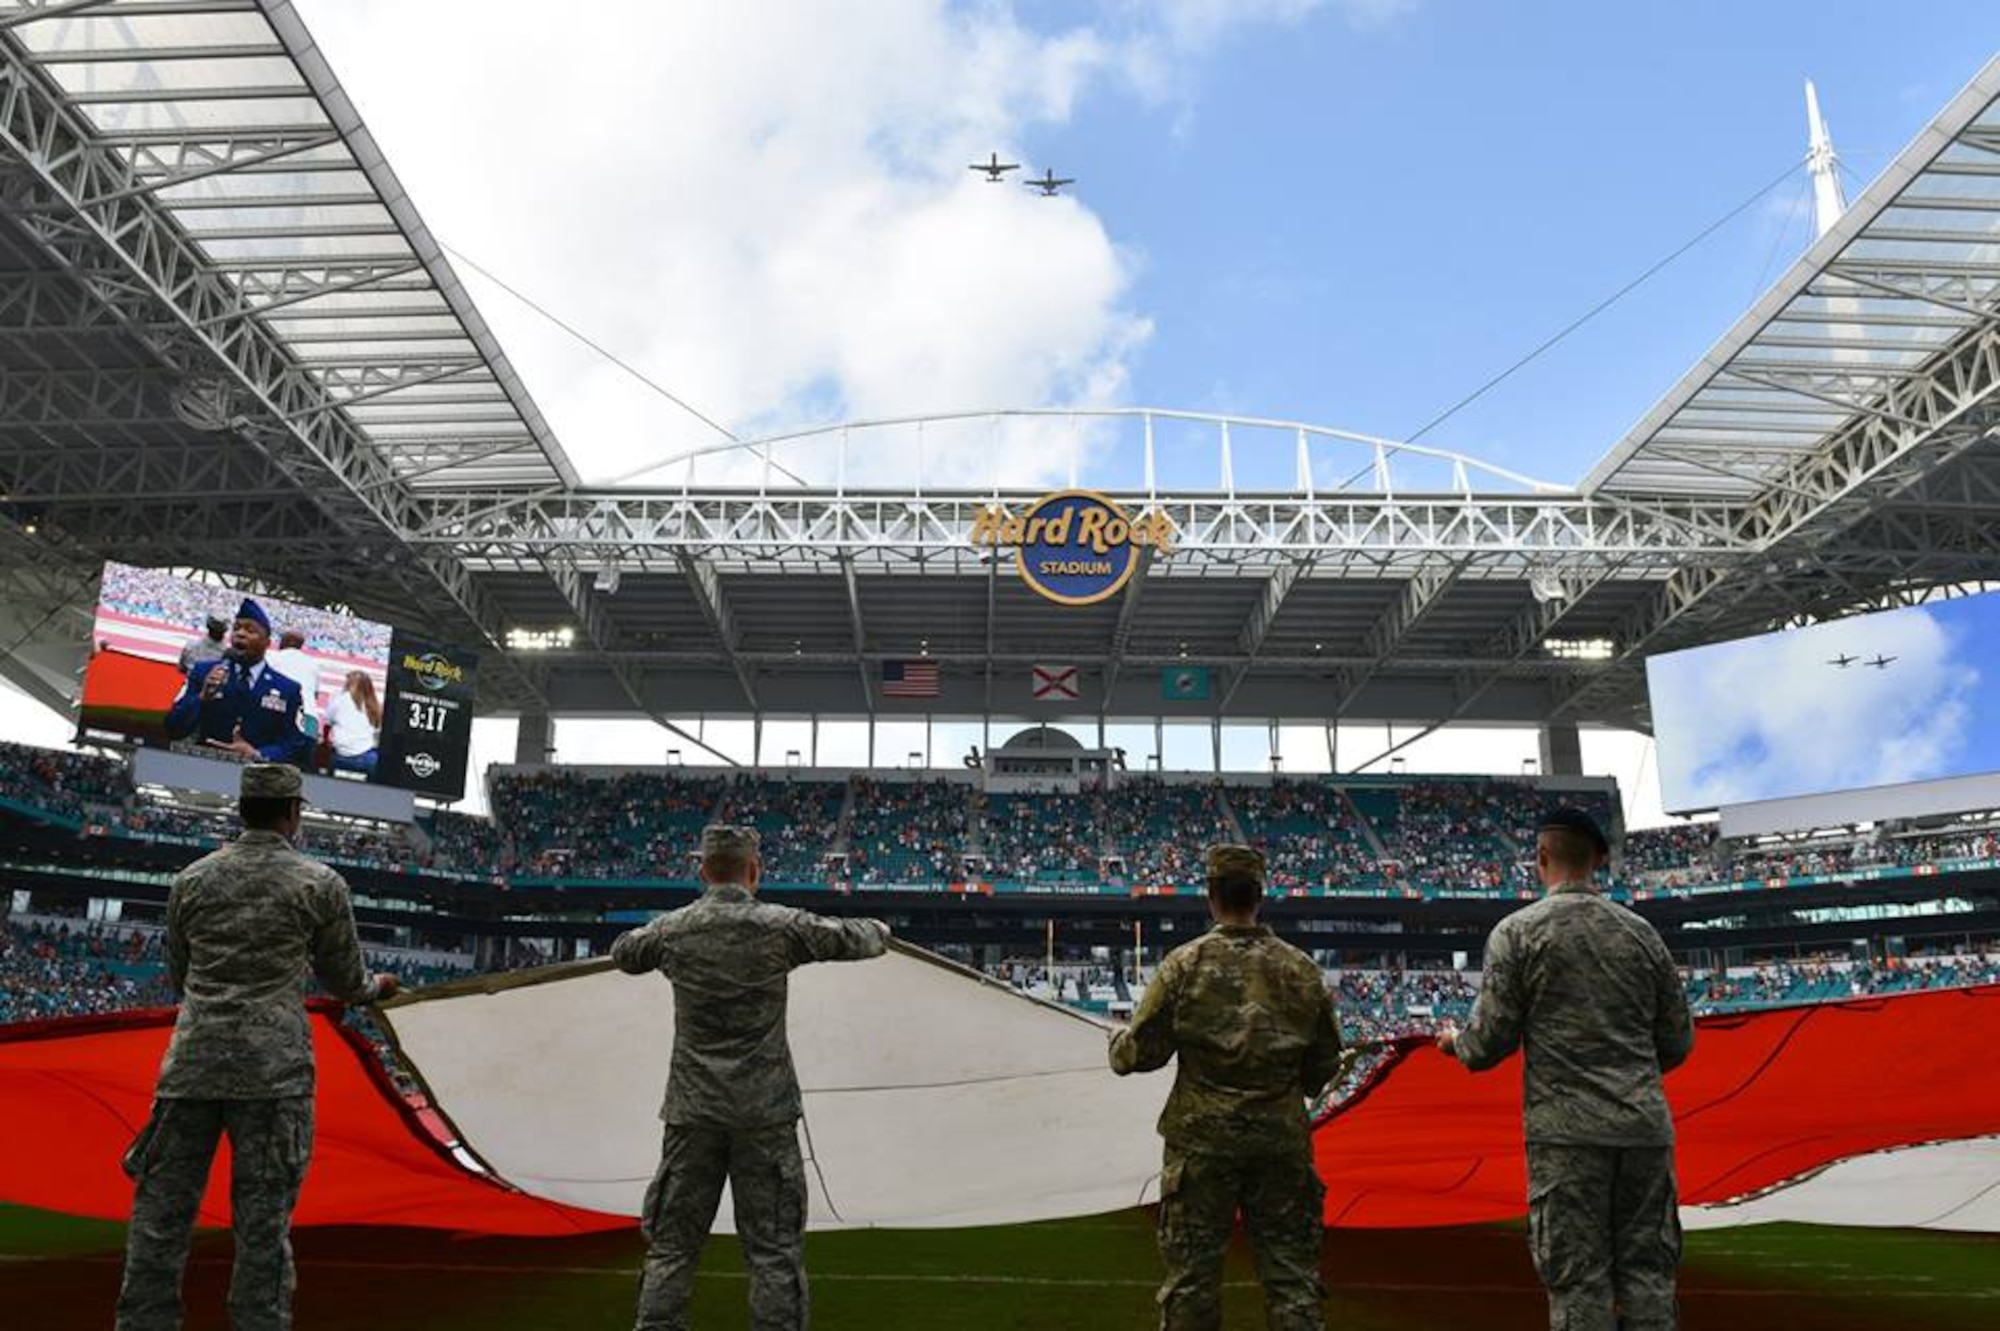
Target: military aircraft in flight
<point x="1843" y="661"/>
<point x="1880" y="662"/>
<point x="994" y="168"/>
<point x="1049" y="185"/>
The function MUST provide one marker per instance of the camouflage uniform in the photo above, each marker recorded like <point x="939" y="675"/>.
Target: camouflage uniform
<point x="732" y="1103"/>
<point x="1254" y="1026"/>
<point x="243" y="926"/>
<point x="1591" y="992"/>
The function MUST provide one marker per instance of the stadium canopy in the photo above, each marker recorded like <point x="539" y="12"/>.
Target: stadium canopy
<point x="228" y="341"/>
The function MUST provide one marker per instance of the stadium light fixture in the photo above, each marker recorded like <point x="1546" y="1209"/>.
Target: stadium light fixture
<point x="1580" y="649"/>
<point x="540" y="640"/>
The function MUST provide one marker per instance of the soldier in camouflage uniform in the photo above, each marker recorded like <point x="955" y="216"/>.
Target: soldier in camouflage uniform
<point x="732" y="1105"/>
<point x="1590" y="992"/>
<point x="243" y="927"/>
<point x="1254" y="1026"/>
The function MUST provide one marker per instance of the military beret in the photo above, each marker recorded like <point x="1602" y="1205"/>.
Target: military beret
<point x="1570" y="819"/>
<point x="1235" y="862"/>
<point x="271" y="781"/>
<point x="723" y="839"/>
<point x="250" y="610"/>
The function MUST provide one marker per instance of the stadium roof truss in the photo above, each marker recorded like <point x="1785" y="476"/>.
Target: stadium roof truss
<point x="227" y="340"/>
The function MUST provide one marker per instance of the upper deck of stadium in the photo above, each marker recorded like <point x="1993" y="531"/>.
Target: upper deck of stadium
<point x="228" y="341"/>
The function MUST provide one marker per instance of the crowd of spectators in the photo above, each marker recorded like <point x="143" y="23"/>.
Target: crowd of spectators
<point x="1309" y="834"/>
<point x="1039" y="837"/>
<point x="1821" y="979"/>
<point x="907" y="831"/>
<point x="164" y="598"/>
<point x="59" y="967"/>
<point x="1460" y="835"/>
<point x="588" y="825"/>
<point x="796" y="821"/>
<point x="1444" y="835"/>
<point x="50" y="969"/>
<point x="62" y="780"/>
<point x="1156" y="832"/>
<point x="1681" y="848"/>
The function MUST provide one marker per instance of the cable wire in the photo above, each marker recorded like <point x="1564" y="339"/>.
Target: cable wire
<point x="608" y="354"/>
<point x="1602" y="305"/>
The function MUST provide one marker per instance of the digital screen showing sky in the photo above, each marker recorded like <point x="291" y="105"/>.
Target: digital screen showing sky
<point x="1875" y="700"/>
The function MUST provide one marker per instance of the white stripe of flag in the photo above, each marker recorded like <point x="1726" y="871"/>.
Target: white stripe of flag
<point x="1056" y="683"/>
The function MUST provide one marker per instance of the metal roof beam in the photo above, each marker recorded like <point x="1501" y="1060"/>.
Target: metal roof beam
<point x="857" y="625"/>
<point x="706" y="584"/>
<point x="1257" y="628"/>
<point x="66" y="163"/>
<point x="1414" y="602"/>
<point x="1121" y="631"/>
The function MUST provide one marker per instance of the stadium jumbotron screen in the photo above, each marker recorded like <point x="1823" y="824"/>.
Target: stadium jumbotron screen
<point x="1885" y="699"/>
<point x="328" y="691"/>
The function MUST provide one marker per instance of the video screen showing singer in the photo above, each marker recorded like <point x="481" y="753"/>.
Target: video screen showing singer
<point x="242" y="704"/>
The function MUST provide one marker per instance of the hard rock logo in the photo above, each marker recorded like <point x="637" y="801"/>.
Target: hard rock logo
<point x="434" y="672"/>
<point x="1076" y="547"/>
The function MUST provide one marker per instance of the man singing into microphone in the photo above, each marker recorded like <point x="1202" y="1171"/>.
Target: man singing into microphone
<point x="241" y="704"/>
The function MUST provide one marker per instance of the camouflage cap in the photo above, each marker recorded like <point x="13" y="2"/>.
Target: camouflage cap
<point x="724" y="839"/>
<point x="1235" y="862"/>
<point x="271" y="781"/>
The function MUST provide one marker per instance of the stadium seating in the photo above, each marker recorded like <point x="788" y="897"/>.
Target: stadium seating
<point x="1043" y="838"/>
<point x="1310" y="836"/>
<point x="1434" y="836"/>
<point x="584" y="825"/>
<point x="907" y="832"/>
<point x="1154" y="832"/>
<point x="796" y="823"/>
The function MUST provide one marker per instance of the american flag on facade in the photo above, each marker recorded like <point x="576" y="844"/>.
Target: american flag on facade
<point x="909" y="679"/>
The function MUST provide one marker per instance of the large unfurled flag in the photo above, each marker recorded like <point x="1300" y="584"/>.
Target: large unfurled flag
<point x="909" y="679"/>
<point x="1185" y="683"/>
<point x="1878" y="1089"/>
<point x="1055" y="683"/>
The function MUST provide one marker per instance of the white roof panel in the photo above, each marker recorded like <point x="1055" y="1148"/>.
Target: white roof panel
<point x="239" y="130"/>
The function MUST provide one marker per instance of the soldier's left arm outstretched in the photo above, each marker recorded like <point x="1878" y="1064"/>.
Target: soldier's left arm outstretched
<point x="1673" y="1022"/>
<point x="1322" y="1061"/>
<point x="1501" y="1012"/>
<point x="1148" y="1042"/>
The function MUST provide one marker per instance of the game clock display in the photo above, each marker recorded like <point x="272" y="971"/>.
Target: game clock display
<point x="427" y="717"/>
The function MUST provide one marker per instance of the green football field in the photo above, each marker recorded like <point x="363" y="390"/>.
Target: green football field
<point x="1085" y="1274"/>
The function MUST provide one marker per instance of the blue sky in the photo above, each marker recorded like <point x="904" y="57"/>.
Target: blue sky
<point x="1349" y="212"/>
<point x="1355" y="224"/>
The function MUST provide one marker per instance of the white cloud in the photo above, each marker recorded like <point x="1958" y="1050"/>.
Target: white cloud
<point x="1768" y="717"/>
<point x="765" y="207"/>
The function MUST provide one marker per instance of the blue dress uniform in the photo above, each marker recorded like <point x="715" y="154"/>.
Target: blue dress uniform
<point x="260" y="704"/>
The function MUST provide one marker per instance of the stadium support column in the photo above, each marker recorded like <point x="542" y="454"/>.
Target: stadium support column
<point x="534" y="742"/>
<point x="1562" y="749"/>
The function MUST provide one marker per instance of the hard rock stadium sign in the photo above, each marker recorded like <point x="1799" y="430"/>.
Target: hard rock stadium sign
<point x="1075" y="547"/>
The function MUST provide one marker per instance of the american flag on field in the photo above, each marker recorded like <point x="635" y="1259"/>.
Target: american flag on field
<point x="909" y="679"/>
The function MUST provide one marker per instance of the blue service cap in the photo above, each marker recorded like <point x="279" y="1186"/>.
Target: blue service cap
<point x="252" y="611"/>
<point x="1571" y="819"/>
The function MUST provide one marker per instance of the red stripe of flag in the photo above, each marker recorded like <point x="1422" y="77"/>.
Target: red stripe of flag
<point x="909" y="679"/>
